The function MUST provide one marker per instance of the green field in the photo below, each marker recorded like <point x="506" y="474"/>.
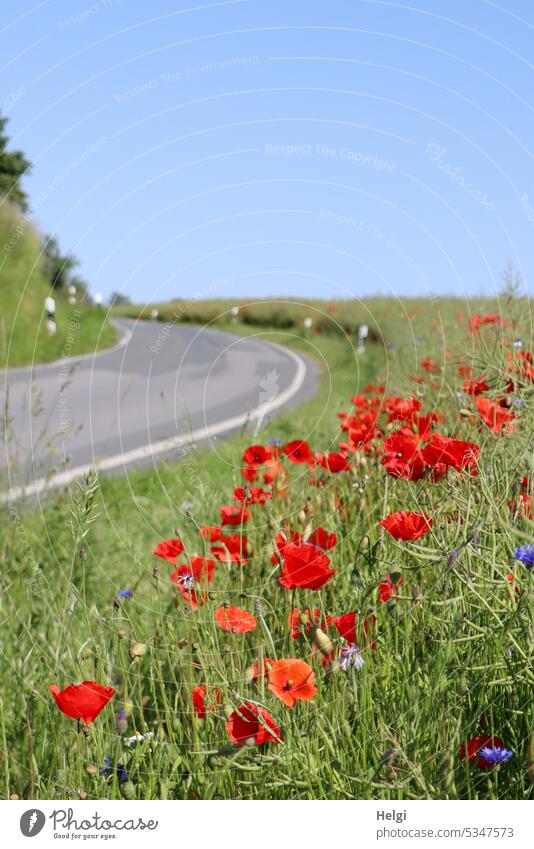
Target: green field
<point x="452" y="649"/>
<point x="24" y="339"/>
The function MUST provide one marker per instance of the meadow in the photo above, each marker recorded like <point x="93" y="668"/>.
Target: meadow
<point x="338" y="607"/>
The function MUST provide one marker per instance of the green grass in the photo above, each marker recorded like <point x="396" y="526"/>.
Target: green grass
<point x="453" y="653"/>
<point x="23" y="288"/>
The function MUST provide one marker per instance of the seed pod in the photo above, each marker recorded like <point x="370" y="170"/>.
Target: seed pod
<point x="137" y="650"/>
<point x="302" y="516"/>
<point x="323" y="642"/>
<point x="91" y="769"/>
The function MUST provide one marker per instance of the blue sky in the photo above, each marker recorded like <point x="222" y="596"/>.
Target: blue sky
<point x="252" y="148"/>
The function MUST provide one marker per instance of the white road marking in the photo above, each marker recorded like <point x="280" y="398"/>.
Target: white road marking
<point x="163" y="445"/>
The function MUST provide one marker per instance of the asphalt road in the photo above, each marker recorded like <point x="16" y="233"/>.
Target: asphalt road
<point x="160" y="390"/>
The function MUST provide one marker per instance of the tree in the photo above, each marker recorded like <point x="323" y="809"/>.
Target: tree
<point x="56" y="267"/>
<point x="13" y="165"/>
<point x="119" y="299"/>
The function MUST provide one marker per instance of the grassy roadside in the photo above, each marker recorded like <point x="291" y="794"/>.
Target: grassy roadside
<point x="453" y="650"/>
<point x="24" y="339"/>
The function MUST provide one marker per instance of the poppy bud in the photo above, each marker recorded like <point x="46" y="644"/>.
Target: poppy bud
<point x="137" y="650"/>
<point x="323" y="642"/>
<point x="182" y="642"/>
<point x="14" y="797"/>
<point x="302" y="517"/>
<point x="121" y="632"/>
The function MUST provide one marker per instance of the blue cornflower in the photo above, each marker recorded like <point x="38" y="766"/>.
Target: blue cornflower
<point x="122" y="773"/>
<point x="525" y="553"/>
<point x="518" y="402"/>
<point x="390" y="345"/>
<point x="518" y="343"/>
<point x="419" y="338"/>
<point x="495" y="755"/>
<point x="125" y="594"/>
<point x="122" y="714"/>
<point x="274" y="440"/>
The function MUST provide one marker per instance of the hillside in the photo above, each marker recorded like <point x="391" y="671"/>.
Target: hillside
<point x="23" y="288"/>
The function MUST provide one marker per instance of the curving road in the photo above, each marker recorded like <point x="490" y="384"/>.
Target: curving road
<point x="162" y="389"/>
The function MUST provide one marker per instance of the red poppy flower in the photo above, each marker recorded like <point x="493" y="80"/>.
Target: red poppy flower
<point x="82" y="701"/>
<point x="336" y="462"/>
<point x="475" y="386"/>
<point x="442" y="450"/>
<point x="402" y="455"/>
<point x="406" y="526"/>
<point x="198" y="696"/>
<point x="470" y="751"/>
<point x="429" y="365"/>
<point x="298" y="452"/>
<point x="257" y="455"/>
<point x="353" y="631"/>
<point x="402" y="409"/>
<point x="304" y="566"/>
<point x="235" y="619"/>
<point x="251" y="495"/>
<point x="169" y="549"/>
<point x="249" y="721"/>
<point x="235" y="514"/>
<point x="190" y="578"/>
<point x="497" y="418"/>
<point x="292" y="680"/>
<point x="388" y="589"/>
<point x="254" y="672"/>
<point x="322" y="539"/>
<point x="296" y="624"/>
<point x="232" y="548"/>
<point x="478" y="321"/>
<point x="210" y="532"/>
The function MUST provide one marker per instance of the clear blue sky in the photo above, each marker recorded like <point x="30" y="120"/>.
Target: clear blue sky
<point x="260" y="147"/>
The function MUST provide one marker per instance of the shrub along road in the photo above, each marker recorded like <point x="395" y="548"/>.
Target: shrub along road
<point x="167" y="387"/>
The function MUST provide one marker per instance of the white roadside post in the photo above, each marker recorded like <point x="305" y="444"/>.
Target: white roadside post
<point x="98" y="300"/>
<point x="234" y="312"/>
<point x="363" y="332"/>
<point x="307" y="324"/>
<point x="50" y="309"/>
<point x="154" y="314"/>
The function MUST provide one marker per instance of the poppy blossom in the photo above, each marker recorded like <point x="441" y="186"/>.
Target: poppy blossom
<point x="231" y="548"/>
<point x="353" y="631"/>
<point x="235" y="619"/>
<point x="235" y="514"/>
<point x="298" y="451"/>
<point x="497" y="418"/>
<point x="254" y="672"/>
<point x="191" y="576"/>
<point x="406" y="526"/>
<point x="257" y="455"/>
<point x="388" y="589"/>
<point x="251" y="495"/>
<point x="82" y="701"/>
<point x="169" y="549"/>
<point x="210" y="532"/>
<point x="299" y="619"/>
<point x="198" y="697"/>
<point x="471" y="750"/>
<point x="445" y="451"/>
<point x="304" y="566"/>
<point x="320" y="538"/>
<point x="336" y="462"/>
<point x="249" y="721"/>
<point x="292" y="680"/>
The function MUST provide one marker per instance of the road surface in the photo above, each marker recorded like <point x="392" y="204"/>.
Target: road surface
<point x="160" y="390"/>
